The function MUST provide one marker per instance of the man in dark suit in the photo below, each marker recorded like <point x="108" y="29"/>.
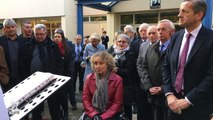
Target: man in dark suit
<point x="151" y="67"/>
<point x="13" y="47"/>
<point x="105" y="39"/>
<point x="78" y="72"/>
<point x="188" y="74"/>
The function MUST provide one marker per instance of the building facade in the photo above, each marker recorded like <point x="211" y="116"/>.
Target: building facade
<point x="63" y="13"/>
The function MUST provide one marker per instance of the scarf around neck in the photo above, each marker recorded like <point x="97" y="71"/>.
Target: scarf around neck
<point x="100" y="97"/>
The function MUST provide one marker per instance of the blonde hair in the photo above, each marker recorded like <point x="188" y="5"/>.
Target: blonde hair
<point x="106" y="57"/>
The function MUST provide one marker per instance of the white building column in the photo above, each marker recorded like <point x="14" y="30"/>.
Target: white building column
<point x="112" y="25"/>
<point x="69" y="21"/>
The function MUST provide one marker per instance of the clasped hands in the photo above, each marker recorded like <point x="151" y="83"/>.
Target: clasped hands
<point x="177" y="105"/>
<point x="155" y="90"/>
<point x="97" y="117"/>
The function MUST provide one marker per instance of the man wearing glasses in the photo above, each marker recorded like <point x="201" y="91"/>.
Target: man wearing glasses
<point x="42" y="54"/>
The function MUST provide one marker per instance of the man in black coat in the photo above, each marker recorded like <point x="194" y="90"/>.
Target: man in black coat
<point x="42" y="54"/>
<point x="105" y="39"/>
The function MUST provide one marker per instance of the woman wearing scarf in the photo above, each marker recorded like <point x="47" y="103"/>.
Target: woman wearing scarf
<point x="103" y="90"/>
<point x="68" y="62"/>
<point x="125" y="63"/>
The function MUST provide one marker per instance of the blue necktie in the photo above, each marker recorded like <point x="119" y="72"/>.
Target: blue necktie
<point x="78" y="53"/>
<point x="161" y="48"/>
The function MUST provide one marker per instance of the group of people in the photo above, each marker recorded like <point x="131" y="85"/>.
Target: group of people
<point x="163" y="74"/>
<point x="174" y="77"/>
<point x="22" y="55"/>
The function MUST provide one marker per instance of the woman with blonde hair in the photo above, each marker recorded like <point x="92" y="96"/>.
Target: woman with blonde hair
<point x="103" y="90"/>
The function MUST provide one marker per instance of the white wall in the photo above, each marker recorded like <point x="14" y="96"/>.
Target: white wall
<point x="32" y="8"/>
<point x="90" y="11"/>
<point x="94" y="27"/>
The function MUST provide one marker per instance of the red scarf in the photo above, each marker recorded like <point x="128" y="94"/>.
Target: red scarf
<point x="61" y="48"/>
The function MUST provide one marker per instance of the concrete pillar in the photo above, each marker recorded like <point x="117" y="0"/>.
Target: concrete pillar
<point x="112" y="25"/>
<point x="69" y="21"/>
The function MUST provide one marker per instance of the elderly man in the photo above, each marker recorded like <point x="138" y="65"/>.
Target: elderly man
<point x="150" y="37"/>
<point x="42" y="54"/>
<point x="152" y="72"/>
<point x="13" y="45"/>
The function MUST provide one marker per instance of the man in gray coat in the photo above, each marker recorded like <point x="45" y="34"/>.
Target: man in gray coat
<point x="151" y="70"/>
<point x="152" y="38"/>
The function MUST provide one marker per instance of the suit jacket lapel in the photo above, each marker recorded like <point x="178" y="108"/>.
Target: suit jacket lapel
<point x="198" y="42"/>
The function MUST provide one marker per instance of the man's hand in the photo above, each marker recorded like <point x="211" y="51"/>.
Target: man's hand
<point x="155" y="90"/>
<point x="173" y="104"/>
<point x="183" y="104"/>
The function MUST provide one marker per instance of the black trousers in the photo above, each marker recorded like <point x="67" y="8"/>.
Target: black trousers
<point x="128" y="111"/>
<point x="62" y="98"/>
<point x="71" y="92"/>
<point x="78" y="72"/>
<point x="53" y="108"/>
<point x="160" y="112"/>
<point x="144" y="108"/>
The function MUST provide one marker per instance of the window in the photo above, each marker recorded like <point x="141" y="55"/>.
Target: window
<point x="127" y="19"/>
<point x="86" y="19"/>
<point x="98" y="18"/>
<point x="146" y="18"/>
<point x="173" y="16"/>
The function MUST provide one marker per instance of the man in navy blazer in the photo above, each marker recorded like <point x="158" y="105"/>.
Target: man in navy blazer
<point x="194" y="101"/>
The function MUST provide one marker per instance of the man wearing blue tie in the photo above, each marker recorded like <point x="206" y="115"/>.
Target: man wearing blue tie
<point x="151" y="70"/>
<point x="78" y="70"/>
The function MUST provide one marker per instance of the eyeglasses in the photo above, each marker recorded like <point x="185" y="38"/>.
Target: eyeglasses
<point x="122" y="42"/>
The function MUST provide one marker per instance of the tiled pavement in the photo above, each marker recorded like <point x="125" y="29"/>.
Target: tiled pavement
<point x="73" y="115"/>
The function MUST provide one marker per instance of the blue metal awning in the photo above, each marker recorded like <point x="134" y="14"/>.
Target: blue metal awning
<point x="104" y="5"/>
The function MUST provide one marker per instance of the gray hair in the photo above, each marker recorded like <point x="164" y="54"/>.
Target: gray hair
<point x="9" y="22"/>
<point x="39" y="27"/>
<point x="126" y="37"/>
<point x="95" y="36"/>
<point x="129" y="28"/>
<point x="78" y="35"/>
<point x="198" y="6"/>
<point x="144" y="25"/>
<point x="171" y="24"/>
